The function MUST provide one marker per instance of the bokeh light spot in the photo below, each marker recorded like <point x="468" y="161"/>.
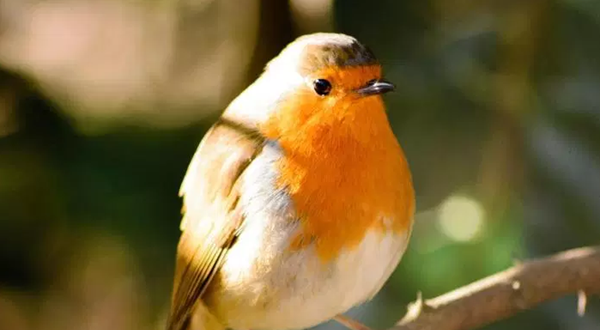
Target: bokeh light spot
<point x="461" y="218"/>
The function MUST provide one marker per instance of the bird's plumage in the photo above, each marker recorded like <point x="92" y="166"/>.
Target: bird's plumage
<point x="297" y="206"/>
<point x="213" y="218"/>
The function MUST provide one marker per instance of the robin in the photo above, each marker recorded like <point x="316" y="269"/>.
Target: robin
<point x="298" y="203"/>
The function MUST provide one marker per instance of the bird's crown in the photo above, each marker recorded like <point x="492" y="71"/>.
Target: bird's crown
<point x="317" y="51"/>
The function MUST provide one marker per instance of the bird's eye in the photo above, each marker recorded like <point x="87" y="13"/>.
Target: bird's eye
<point x="322" y="86"/>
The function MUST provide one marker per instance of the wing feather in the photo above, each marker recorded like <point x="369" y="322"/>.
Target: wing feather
<point x="212" y="216"/>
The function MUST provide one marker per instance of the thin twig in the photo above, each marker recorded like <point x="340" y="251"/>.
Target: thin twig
<point x="509" y="292"/>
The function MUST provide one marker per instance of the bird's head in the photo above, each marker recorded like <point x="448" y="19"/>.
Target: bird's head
<point x="319" y="79"/>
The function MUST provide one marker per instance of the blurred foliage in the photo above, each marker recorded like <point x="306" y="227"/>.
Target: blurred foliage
<point x="103" y="102"/>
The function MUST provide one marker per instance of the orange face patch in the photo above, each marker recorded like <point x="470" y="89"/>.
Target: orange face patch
<point x="343" y="166"/>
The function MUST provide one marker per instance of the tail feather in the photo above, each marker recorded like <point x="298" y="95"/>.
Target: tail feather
<point x="201" y="319"/>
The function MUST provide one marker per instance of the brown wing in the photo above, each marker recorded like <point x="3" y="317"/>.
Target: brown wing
<point x="212" y="217"/>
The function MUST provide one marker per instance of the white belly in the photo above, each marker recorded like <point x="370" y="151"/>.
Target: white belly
<point x="265" y="286"/>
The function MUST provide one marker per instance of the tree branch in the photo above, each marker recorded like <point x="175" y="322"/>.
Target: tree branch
<point x="509" y="292"/>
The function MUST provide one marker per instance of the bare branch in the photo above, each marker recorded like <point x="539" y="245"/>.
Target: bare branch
<point x="507" y="293"/>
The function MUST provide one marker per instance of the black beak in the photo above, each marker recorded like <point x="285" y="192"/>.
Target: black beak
<point x="375" y="87"/>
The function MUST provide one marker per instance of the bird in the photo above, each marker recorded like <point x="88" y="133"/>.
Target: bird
<point x="298" y="203"/>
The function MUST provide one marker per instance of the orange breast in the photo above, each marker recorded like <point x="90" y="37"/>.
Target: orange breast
<point x="343" y="169"/>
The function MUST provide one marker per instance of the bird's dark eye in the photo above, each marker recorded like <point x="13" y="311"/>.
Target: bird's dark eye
<point x="322" y="86"/>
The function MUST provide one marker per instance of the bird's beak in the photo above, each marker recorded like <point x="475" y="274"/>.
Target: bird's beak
<point x="375" y="87"/>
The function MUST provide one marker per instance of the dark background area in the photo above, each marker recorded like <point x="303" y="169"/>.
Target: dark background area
<point x="103" y="102"/>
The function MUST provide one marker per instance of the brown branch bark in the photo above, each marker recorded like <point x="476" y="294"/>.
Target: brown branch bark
<point x="507" y="293"/>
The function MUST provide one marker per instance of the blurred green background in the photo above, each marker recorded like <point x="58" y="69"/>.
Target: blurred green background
<point x="103" y="102"/>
